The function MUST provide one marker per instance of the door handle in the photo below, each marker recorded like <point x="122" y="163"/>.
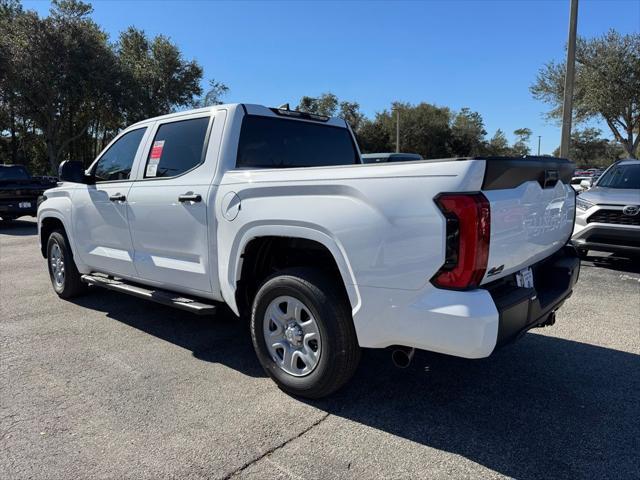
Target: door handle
<point x="118" y="197"/>
<point x="189" y="197"/>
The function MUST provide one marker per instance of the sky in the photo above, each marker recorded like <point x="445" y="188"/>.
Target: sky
<point x="478" y="54"/>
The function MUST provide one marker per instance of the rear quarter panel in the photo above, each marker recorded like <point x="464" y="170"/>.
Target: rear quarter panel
<point x="380" y="221"/>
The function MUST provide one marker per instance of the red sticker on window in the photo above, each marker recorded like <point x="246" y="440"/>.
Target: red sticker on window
<point x="156" y="150"/>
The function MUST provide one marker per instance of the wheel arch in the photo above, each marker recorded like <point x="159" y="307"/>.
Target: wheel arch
<point x="47" y="224"/>
<point x="303" y="245"/>
<point x="50" y="220"/>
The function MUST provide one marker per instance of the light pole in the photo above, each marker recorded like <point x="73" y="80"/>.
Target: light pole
<point x="539" y="137"/>
<point x="397" y="130"/>
<point x="568" y="80"/>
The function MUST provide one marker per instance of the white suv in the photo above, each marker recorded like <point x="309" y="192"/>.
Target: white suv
<point x="608" y="215"/>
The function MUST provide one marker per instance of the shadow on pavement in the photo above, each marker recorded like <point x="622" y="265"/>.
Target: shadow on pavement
<point x="543" y="407"/>
<point x="19" y="228"/>
<point x="219" y="339"/>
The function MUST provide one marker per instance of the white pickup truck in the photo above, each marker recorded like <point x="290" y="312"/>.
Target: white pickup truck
<point x="272" y="212"/>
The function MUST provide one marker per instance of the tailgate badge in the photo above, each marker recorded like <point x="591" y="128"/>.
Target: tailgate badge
<point x="495" y="271"/>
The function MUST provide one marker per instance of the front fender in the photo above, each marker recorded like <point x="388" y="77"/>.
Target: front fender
<point x="58" y="206"/>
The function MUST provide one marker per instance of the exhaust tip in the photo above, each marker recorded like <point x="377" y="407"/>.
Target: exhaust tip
<point x="401" y="357"/>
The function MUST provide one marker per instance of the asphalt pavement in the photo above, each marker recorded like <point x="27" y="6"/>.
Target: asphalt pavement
<point x="109" y="386"/>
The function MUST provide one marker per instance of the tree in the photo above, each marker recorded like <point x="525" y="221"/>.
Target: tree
<point x="374" y="136"/>
<point x="59" y="70"/>
<point x="520" y="147"/>
<point x="468" y="133"/>
<point x="326" y="104"/>
<point x="214" y="95"/>
<point x="156" y="77"/>
<point x="65" y="91"/>
<point x="350" y="112"/>
<point x="498" y="145"/>
<point x="588" y="149"/>
<point x="9" y="122"/>
<point x="424" y="129"/>
<point x="607" y="85"/>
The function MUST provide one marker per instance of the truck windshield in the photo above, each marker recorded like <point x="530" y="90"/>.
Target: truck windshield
<point x="621" y="176"/>
<point x="14" y="173"/>
<point x="268" y="142"/>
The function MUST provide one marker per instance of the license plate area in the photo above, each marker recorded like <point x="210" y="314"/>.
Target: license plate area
<point x="24" y="204"/>
<point x="524" y="278"/>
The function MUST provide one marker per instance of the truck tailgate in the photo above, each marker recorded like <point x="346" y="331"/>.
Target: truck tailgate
<point x="532" y="211"/>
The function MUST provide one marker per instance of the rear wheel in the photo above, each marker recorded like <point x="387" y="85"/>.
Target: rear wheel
<point x="303" y="333"/>
<point x="64" y="275"/>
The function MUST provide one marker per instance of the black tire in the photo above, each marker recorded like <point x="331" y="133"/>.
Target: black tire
<point x="340" y="352"/>
<point x="71" y="286"/>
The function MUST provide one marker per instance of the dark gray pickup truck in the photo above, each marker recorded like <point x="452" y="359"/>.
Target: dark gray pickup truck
<point x="19" y="192"/>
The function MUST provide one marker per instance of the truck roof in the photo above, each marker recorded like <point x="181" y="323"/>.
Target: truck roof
<point x="252" y="109"/>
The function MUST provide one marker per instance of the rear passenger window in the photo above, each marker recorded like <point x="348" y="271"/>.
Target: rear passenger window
<point x="177" y="148"/>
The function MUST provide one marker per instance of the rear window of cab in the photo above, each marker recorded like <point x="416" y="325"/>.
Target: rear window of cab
<point x="268" y="142"/>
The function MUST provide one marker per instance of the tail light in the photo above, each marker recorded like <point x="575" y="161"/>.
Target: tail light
<point x="468" y="229"/>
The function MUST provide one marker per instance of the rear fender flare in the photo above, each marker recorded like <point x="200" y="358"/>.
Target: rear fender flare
<point x="231" y="275"/>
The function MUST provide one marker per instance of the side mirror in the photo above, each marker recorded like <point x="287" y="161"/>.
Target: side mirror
<point x="586" y="183"/>
<point x="72" y="172"/>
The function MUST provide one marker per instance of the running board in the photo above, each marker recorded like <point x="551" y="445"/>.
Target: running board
<point x="160" y="296"/>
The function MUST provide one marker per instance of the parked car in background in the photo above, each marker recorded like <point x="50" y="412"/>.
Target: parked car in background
<point x="608" y="215"/>
<point x="390" y="157"/>
<point x="271" y="212"/>
<point x="580" y="184"/>
<point x="19" y="192"/>
<point x="589" y="172"/>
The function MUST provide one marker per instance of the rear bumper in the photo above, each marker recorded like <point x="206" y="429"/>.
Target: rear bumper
<point x="520" y="309"/>
<point x="469" y="324"/>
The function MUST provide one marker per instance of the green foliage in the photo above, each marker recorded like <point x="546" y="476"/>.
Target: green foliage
<point x="350" y="111"/>
<point x="213" y="96"/>
<point x="65" y="91"/>
<point x="436" y="132"/>
<point x="424" y="129"/>
<point x="157" y="78"/>
<point x="468" y="133"/>
<point x="588" y="149"/>
<point x="498" y="145"/>
<point x="328" y="105"/>
<point x="521" y="147"/>
<point x="607" y="85"/>
<point x="374" y="137"/>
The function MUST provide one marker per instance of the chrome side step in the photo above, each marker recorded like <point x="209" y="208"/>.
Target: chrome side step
<point x="160" y="296"/>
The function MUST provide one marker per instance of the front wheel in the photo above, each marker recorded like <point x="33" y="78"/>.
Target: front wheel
<point x="303" y="333"/>
<point x="64" y="275"/>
